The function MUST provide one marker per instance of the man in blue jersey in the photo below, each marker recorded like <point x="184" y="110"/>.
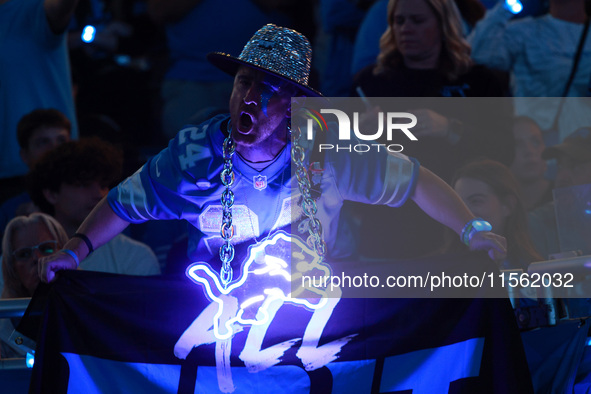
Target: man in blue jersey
<point x="183" y="181"/>
<point x="230" y="178"/>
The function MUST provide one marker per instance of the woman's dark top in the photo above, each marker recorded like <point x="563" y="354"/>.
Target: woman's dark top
<point x="482" y="124"/>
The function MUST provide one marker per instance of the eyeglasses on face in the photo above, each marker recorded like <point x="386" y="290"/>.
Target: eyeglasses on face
<point x="46" y="248"/>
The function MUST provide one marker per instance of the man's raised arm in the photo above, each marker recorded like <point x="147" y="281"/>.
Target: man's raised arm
<point x="101" y="225"/>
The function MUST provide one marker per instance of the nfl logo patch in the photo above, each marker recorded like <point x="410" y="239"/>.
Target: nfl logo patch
<point x="259" y="182"/>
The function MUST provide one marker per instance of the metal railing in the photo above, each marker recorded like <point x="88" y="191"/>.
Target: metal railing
<point x="13" y="363"/>
<point x="13" y="307"/>
<point x="9" y="308"/>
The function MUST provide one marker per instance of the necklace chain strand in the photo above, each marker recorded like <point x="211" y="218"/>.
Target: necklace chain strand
<point x="315" y="240"/>
<point x="227" y="200"/>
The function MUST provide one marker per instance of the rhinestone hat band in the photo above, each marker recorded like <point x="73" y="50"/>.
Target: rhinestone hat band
<point x="276" y="50"/>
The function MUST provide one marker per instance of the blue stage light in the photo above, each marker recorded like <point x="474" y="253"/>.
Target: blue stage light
<point x="88" y="34"/>
<point x="30" y="360"/>
<point x="514" y="6"/>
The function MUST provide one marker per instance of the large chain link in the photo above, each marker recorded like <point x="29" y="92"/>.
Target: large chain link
<point x="315" y="240"/>
<point x="227" y="230"/>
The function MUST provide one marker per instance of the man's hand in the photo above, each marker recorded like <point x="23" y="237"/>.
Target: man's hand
<point x="494" y="244"/>
<point x="49" y="265"/>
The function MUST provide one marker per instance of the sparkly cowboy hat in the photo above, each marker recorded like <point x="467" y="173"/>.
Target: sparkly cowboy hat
<point x="276" y="50"/>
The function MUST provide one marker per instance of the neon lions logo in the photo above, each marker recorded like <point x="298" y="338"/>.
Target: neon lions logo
<point x="266" y="283"/>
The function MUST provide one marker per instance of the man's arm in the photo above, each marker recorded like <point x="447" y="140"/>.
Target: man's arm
<point x="101" y="225"/>
<point x="168" y="11"/>
<point x="59" y="13"/>
<point x="441" y="202"/>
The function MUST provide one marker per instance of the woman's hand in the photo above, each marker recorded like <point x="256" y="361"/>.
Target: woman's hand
<point x="430" y="123"/>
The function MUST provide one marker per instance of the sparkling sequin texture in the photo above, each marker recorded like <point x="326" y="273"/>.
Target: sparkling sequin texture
<point x="278" y="50"/>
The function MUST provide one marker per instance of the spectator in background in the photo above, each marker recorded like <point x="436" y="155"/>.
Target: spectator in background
<point x="340" y="20"/>
<point x="193" y="29"/>
<point x="423" y="51"/>
<point x="116" y="52"/>
<point x="367" y="40"/>
<point x="375" y="22"/>
<point x="40" y="131"/>
<point x="124" y="62"/>
<point x="539" y="53"/>
<point x="37" y="133"/>
<point x="68" y="182"/>
<point x="573" y="158"/>
<point x="491" y="192"/>
<point x="423" y="54"/>
<point x="35" y="73"/>
<point x="528" y="167"/>
<point x="26" y="239"/>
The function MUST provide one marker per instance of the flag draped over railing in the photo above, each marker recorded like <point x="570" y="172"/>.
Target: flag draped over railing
<point x="103" y="333"/>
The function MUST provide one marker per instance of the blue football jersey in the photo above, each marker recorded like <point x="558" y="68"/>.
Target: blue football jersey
<point x="183" y="182"/>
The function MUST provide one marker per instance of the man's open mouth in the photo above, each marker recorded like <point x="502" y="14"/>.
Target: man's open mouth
<point x="245" y="123"/>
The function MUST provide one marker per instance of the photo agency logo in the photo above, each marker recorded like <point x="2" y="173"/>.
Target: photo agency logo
<point x="356" y="131"/>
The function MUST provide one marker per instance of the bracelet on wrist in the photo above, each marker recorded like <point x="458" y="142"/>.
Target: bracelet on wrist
<point x="474" y="226"/>
<point x="84" y="238"/>
<point x="73" y="255"/>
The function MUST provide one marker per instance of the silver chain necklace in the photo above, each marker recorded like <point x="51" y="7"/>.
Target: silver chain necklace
<point x="227" y="199"/>
<point x="315" y="239"/>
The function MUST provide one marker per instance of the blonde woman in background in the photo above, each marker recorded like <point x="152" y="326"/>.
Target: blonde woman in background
<point x="26" y="239"/>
